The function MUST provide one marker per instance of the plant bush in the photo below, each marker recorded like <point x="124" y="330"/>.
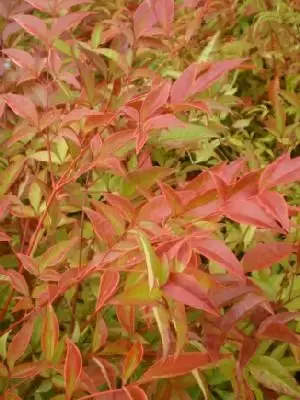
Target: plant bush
<point x="149" y="241"/>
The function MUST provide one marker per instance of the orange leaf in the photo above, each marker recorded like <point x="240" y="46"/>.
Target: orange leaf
<point x="132" y="361"/>
<point x="20" y="342"/>
<point x="108" y="285"/>
<point x="72" y="367"/>
<point x="23" y="107"/>
<point x="176" y="366"/>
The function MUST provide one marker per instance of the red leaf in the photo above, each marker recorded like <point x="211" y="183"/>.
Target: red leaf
<point x="282" y="171"/>
<point x="186" y="289"/>
<point x="72" y="368"/>
<point x="250" y="211"/>
<point x="23" y="107"/>
<point x="218" y="69"/>
<point x="131" y="392"/>
<point x="66" y="4"/>
<point x="18" y="345"/>
<point x="21" y="58"/>
<point x="172" y="198"/>
<point x="33" y="25"/>
<point x="143" y="19"/>
<point x="164" y="12"/>
<point x="278" y="331"/>
<point x="126" y="317"/>
<point x="241" y="310"/>
<point x="102" y="227"/>
<point x="28" y="370"/>
<point x="18" y="282"/>
<point x="183" y="85"/>
<point x="265" y="255"/>
<point x="157" y="98"/>
<point x="247" y="351"/>
<point x="50" y="333"/>
<point x="275" y="204"/>
<point x="66" y="22"/>
<point x="108" y="286"/>
<point x="217" y="251"/>
<point x="175" y="366"/>
<point x="40" y="5"/>
<point x="163" y="121"/>
<point x="29" y="264"/>
<point x="274" y="328"/>
<point x="132" y="361"/>
<point x="121" y="204"/>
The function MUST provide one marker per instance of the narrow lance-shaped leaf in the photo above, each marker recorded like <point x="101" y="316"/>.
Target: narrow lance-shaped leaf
<point x="176" y="366"/>
<point x="19" y="344"/>
<point x="132" y="361"/>
<point x="185" y="289"/>
<point x="33" y="25"/>
<point x="154" y="266"/>
<point x="180" y="325"/>
<point x="72" y="368"/>
<point x="50" y="333"/>
<point x="271" y="374"/>
<point x="65" y="23"/>
<point x="163" y="322"/>
<point x="219" y="252"/>
<point x="108" y="286"/>
<point x="265" y="255"/>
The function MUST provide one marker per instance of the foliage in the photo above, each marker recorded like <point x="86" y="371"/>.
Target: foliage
<point x="149" y="241"/>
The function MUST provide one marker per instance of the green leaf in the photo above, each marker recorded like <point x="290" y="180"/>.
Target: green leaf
<point x="44" y="157"/>
<point x="205" y="55"/>
<point x="154" y="267"/>
<point x="97" y="35"/>
<point x="189" y="134"/>
<point x="138" y="294"/>
<point x="56" y="254"/>
<point x="271" y="374"/>
<point x="3" y="347"/>
<point x="10" y="174"/>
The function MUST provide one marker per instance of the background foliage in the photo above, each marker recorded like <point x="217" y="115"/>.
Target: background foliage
<point x="149" y="241"/>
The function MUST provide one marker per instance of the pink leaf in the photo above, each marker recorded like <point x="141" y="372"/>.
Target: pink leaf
<point x="40" y="5"/>
<point x="21" y="58"/>
<point x="218" y="69"/>
<point x="218" y="252"/>
<point x="250" y="211"/>
<point x="143" y="19"/>
<point x="23" y="107"/>
<point x="183" y="85"/>
<point x="275" y="204"/>
<point x="185" y="289"/>
<point x="266" y="255"/>
<point x="163" y="121"/>
<point x="241" y="310"/>
<point x="66" y="22"/>
<point x="164" y="12"/>
<point x="157" y="98"/>
<point x="33" y="25"/>
<point x="282" y="171"/>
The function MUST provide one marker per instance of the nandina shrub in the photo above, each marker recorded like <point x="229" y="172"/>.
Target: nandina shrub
<point x="122" y="277"/>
